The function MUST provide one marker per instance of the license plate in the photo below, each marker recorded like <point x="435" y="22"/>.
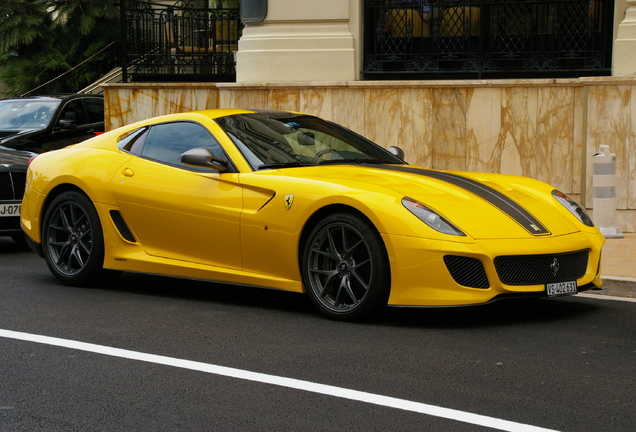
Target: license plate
<point x="9" y="210"/>
<point x="561" y="288"/>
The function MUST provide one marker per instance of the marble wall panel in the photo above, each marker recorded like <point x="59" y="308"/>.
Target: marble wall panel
<point x="283" y="99"/>
<point x="120" y="108"/>
<point x="130" y="104"/>
<point x="317" y="101"/>
<point x="415" y="134"/>
<point x="348" y="109"/>
<point x="626" y="220"/>
<point x="245" y="99"/>
<point x="483" y="124"/>
<point x="449" y="128"/>
<point x="381" y="105"/>
<point x="555" y="141"/>
<point x="630" y="153"/>
<point x="519" y="130"/>
<point x="608" y="123"/>
<point x="579" y="148"/>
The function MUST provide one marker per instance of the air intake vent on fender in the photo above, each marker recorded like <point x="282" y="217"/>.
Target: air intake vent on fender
<point x="123" y="229"/>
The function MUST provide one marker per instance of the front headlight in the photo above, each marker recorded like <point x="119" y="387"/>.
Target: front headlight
<point x="430" y="218"/>
<point x="573" y="207"/>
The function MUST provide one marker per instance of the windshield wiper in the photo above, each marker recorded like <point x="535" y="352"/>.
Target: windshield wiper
<point x="288" y="164"/>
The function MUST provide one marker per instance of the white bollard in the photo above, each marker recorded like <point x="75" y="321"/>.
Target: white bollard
<point x="604" y="182"/>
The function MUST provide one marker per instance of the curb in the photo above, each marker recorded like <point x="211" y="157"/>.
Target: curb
<point x="619" y="278"/>
<point x="606" y="297"/>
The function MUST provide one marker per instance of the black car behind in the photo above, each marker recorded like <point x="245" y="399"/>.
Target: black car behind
<point x="44" y="123"/>
<point x="13" y="167"/>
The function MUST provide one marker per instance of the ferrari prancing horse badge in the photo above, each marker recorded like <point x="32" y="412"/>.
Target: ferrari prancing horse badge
<point x="289" y="200"/>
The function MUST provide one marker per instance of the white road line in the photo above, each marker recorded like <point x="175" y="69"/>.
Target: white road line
<point x="339" y="392"/>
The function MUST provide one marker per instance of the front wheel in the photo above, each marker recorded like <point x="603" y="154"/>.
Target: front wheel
<point x="345" y="268"/>
<point x="72" y="240"/>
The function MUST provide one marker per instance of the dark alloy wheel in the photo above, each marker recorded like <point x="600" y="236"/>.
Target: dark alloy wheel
<point x="345" y="268"/>
<point x="72" y="240"/>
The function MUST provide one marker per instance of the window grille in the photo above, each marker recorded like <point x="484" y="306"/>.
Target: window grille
<point x="419" y="39"/>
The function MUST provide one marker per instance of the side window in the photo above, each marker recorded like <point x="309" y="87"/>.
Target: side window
<point x="168" y="141"/>
<point x="74" y="111"/>
<point x="133" y="141"/>
<point x="94" y="109"/>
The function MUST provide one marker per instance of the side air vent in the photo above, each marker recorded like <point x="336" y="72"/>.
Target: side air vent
<point x="466" y="271"/>
<point x="121" y="226"/>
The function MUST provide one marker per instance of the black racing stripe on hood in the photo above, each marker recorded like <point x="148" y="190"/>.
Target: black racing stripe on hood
<point x="496" y="198"/>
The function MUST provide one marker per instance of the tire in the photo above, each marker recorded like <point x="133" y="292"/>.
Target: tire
<point x="72" y="240"/>
<point x="345" y="268"/>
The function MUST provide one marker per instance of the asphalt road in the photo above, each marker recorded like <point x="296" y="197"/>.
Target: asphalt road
<point x="158" y="347"/>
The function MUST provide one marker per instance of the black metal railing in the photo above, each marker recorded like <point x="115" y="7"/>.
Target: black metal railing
<point x="186" y="41"/>
<point x="418" y="39"/>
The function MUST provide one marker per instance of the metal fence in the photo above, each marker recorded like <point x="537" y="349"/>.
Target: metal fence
<point x="184" y="41"/>
<point x="421" y="39"/>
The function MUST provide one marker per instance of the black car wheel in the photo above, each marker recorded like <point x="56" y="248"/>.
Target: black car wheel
<point x="345" y="268"/>
<point x="72" y="240"/>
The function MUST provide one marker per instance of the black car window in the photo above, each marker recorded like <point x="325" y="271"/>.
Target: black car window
<point x="166" y="142"/>
<point x="95" y="109"/>
<point x="16" y="115"/>
<point x="74" y="110"/>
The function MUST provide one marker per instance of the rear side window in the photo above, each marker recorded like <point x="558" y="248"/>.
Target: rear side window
<point x="94" y="109"/>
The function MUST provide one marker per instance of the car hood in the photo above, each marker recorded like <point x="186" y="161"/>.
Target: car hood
<point x="480" y="204"/>
<point x="6" y="136"/>
<point x="14" y="160"/>
<point x="8" y="133"/>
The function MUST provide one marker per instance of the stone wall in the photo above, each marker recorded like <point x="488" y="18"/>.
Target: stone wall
<point x="545" y="129"/>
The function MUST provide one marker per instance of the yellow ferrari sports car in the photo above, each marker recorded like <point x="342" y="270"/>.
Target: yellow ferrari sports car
<point x="293" y="202"/>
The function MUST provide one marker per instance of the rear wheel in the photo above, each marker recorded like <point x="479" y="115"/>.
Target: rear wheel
<point x="72" y="240"/>
<point x="345" y="268"/>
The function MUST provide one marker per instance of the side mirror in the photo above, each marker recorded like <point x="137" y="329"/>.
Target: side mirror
<point x="204" y="158"/>
<point x="396" y="151"/>
<point x="67" y="124"/>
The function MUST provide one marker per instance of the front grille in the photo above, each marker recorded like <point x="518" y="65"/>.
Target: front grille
<point x="466" y="271"/>
<point x="9" y="223"/>
<point x="6" y="186"/>
<point x="19" y="183"/>
<point x="12" y="185"/>
<point x="541" y="269"/>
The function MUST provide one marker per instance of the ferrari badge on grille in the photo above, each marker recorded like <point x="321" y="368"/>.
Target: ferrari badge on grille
<point x="554" y="266"/>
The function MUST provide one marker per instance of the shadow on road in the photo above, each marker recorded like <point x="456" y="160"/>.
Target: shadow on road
<point x="500" y="313"/>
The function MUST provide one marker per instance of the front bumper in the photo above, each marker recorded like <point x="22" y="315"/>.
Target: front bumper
<point x="420" y="277"/>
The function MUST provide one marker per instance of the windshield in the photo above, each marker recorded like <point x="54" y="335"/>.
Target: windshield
<point x="20" y="115"/>
<point x="271" y="140"/>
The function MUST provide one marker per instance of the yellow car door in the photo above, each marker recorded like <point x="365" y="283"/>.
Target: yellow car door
<point x="175" y="211"/>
